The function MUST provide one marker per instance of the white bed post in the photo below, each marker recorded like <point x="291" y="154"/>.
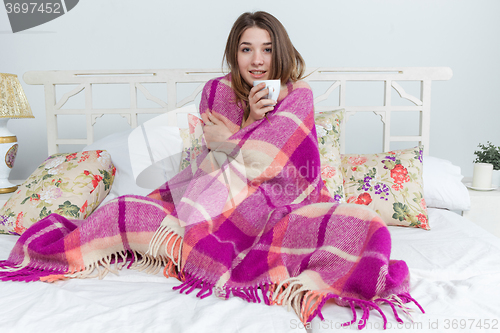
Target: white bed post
<point x="342" y="88"/>
<point x="425" y="115"/>
<point x="133" y="104"/>
<point x="171" y="94"/>
<point x="88" y="113"/>
<point x="386" y="117"/>
<point x="52" y="133"/>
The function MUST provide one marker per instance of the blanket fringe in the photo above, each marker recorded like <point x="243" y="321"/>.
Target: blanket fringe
<point x="291" y="292"/>
<point x="313" y="302"/>
<point x="150" y="262"/>
<point x="23" y="274"/>
<point x="309" y="303"/>
<point x="98" y="269"/>
<point x="191" y="283"/>
<point x="172" y="242"/>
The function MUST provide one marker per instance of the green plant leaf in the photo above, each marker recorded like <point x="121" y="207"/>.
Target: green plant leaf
<point x="44" y="213"/>
<point x="488" y="153"/>
<point x="107" y="179"/>
<point x="401" y="211"/>
<point x="68" y="209"/>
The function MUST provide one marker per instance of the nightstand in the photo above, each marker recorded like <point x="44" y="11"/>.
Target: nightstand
<point x="485" y="209"/>
<point x="5" y="196"/>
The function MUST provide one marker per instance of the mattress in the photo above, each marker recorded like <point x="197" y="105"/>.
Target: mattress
<point x="455" y="277"/>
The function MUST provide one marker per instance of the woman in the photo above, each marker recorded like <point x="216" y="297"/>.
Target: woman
<point x="279" y="233"/>
<point x="256" y="42"/>
<point x="250" y="217"/>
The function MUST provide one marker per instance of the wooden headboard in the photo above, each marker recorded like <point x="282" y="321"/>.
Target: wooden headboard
<point x="326" y="83"/>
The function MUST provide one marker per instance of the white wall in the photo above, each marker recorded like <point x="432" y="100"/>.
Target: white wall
<point x="122" y="34"/>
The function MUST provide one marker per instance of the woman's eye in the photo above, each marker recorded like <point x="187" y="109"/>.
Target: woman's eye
<point x="268" y="50"/>
<point x="245" y="49"/>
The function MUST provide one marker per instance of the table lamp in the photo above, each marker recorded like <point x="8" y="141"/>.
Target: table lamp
<point x="13" y="104"/>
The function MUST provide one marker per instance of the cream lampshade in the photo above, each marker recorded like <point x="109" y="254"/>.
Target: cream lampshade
<point x="13" y="104"/>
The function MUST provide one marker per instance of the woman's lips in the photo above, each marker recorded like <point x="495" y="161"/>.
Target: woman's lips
<point x="258" y="74"/>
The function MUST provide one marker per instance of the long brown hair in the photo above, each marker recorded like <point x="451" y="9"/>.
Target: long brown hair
<point x="287" y="63"/>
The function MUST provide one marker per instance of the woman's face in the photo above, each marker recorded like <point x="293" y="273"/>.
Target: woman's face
<point x="254" y="55"/>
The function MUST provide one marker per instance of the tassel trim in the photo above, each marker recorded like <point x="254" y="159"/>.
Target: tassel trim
<point x="98" y="269"/>
<point x="291" y="292"/>
<point x="151" y="262"/>
<point x="172" y="242"/>
<point x="306" y="303"/>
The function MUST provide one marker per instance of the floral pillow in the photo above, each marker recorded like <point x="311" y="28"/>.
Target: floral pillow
<point x="192" y="140"/>
<point x="71" y="185"/>
<point x="328" y="130"/>
<point x="389" y="183"/>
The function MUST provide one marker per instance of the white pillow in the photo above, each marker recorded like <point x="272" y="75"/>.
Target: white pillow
<point x="155" y="152"/>
<point x="443" y="187"/>
<point x="144" y="157"/>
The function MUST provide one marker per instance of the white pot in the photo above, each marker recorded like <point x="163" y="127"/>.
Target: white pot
<point x="495" y="178"/>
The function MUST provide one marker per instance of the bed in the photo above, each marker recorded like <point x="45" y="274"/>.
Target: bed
<point x="454" y="267"/>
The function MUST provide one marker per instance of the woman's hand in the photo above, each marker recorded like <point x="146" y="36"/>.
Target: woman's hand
<point x="259" y="106"/>
<point x="215" y="130"/>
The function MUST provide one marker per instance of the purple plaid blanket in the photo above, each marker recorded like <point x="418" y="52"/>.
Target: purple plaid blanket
<point x="250" y="218"/>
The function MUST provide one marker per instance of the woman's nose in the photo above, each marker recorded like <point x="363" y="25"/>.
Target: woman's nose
<point x="257" y="59"/>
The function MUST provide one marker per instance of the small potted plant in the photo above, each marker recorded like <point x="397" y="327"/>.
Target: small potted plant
<point x="490" y="153"/>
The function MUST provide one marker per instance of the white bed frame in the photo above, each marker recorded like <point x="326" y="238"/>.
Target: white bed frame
<point x="337" y="79"/>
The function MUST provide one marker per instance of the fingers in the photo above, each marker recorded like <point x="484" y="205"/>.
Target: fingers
<point x="266" y="110"/>
<point x="213" y="118"/>
<point x="266" y="103"/>
<point x="204" y="117"/>
<point x="257" y="88"/>
<point x="257" y="95"/>
<point x="258" y="92"/>
<point x="260" y="113"/>
<point x="208" y="118"/>
<point x="260" y="105"/>
<point x="262" y="108"/>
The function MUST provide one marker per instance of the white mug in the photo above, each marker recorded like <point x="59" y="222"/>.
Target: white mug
<point x="482" y="175"/>
<point x="274" y="87"/>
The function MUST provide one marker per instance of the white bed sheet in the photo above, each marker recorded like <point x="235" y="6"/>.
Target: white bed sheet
<point x="455" y="276"/>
